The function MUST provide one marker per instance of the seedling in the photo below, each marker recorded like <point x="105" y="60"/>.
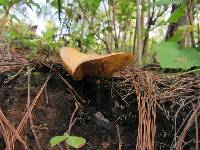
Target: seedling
<point x="73" y="141"/>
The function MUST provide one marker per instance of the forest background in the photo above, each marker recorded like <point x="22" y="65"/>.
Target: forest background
<point x="160" y="32"/>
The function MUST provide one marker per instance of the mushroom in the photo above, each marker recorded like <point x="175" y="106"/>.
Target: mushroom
<point x="80" y="65"/>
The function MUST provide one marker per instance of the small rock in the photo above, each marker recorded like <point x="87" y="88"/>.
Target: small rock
<point x="102" y="121"/>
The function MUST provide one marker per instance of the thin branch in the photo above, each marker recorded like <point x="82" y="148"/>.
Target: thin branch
<point x="119" y="138"/>
<point x="71" y="89"/>
<point x="28" y="112"/>
<point x="104" y="41"/>
<point x="31" y="119"/>
<point x="72" y="120"/>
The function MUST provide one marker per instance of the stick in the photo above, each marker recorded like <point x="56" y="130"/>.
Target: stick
<point x="71" y="89"/>
<point x="27" y="114"/>
<point x="119" y="139"/>
<point x="72" y="120"/>
<point x="31" y="119"/>
<point x="13" y="77"/>
<point x="14" y="131"/>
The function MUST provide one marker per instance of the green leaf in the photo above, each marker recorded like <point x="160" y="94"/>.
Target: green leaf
<point x="69" y="12"/>
<point x="54" y="3"/>
<point x="177" y="14"/>
<point x="49" y="34"/>
<point x="75" y="141"/>
<point x="57" y="140"/>
<point x="181" y="33"/>
<point x="93" y="5"/>
<point x="108" y="29"/>
<point x="171" y="55"/>
<point x="167" y="2"/>
<point x="4" y="3"/>
<point x="89" y="39"/>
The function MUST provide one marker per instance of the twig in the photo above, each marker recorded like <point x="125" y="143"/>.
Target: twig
<point x="98" y="36"/>
<point x="13" y="77"/>
<point x="3" y="120"/>
<point x="28" y="100"/>
<point x="197" y="130"/>
<point x="190" y="122"/>
<point x="5" y="133"/>
<point x="34" y="133"/>
<point x="31" y="119"/>
<point x="46" y="95"/>
<point x="28" y="112"/>
<point x="187" y="72"/>
<point x="119" y="138"/>
<point x="71" y="89"/>
<point x="72" y="120"/>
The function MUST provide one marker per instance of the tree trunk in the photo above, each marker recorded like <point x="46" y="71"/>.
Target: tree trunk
<point x="198" y="32"/>
<point x="134" y="39"/>
<point x="146" y="37"/>
<point x="190" y="9"/>
<point x="114" y="25"/>
<point x="111" y="34"/>
<point x="139" y="34"/>
<point x="142" y="23"/>
<point x="172" y="27"/>
<point x="188" y="41"/>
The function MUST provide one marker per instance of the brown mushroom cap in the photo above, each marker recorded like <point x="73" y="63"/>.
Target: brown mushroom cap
<point x="80" y="65"/>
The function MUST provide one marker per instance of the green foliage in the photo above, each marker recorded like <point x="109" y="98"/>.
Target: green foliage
<point x="57" y="140"/>
<point x="94" y="25"/>
<point x="69" y="12"/>
<point x="49" y="35"/>
<point x="4" y="3"/>
<point x="181" y="33"/>
<point x="125" y="10"/>
<point x="54" y="3"/>
<point x="22" y="37"/>
<point x="179" y="12"/>
<point x="89" y="40"/>
<point x="31" y="3"/>
<point x="73" y="141"/>
<point x="8" y="4"/>
<point x="92" y="5"/>
<point x="17" y="31"/>
<point x="171" y="55"/>
<point x="167" y="2"/>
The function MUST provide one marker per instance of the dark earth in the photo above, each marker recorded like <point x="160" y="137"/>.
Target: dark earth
<point x="52" y="113"/>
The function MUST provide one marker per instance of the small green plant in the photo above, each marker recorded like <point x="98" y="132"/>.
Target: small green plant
<point x="73" y="141"/>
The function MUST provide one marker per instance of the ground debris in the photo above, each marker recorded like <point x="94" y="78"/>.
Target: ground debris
<point x="114" y="100"/>
<point x="10" y="59"/>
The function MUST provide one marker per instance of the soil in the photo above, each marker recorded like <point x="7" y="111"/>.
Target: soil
<point x="51" y="116"/>
<point x="52" y="113"/>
